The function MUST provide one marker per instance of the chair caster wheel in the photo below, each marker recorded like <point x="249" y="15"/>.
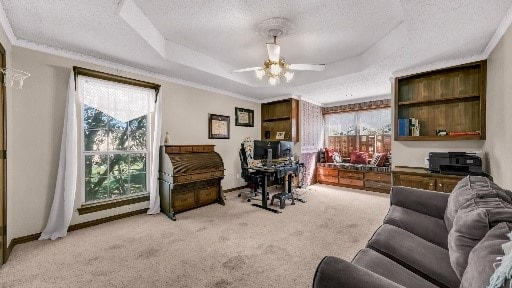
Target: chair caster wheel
<point x="248" y="200"/>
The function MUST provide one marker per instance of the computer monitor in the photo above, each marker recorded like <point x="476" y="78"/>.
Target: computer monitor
<point x="261" y="149"/>
<point x="285" y="149"/>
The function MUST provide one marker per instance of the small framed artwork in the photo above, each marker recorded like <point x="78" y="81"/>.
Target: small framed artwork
<point x="280" y="135"/>
<point x="244" y="117"/>
<point x="218" y="126"/>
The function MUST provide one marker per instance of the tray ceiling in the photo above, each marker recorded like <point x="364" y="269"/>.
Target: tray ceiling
<point x="362" y="42"/>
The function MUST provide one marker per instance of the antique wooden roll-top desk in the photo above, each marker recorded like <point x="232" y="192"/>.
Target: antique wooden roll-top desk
<point x="189" y="177"/>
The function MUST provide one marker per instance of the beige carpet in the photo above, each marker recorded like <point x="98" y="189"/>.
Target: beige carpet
<point x="236" y="245"/>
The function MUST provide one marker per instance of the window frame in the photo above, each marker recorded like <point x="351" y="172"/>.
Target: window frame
<point x="89" y="207"/>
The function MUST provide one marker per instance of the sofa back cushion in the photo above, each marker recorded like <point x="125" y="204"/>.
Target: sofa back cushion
<point x="483" y="256"/>
<point x="472" y="187"/>
<point x="471" y="224"/>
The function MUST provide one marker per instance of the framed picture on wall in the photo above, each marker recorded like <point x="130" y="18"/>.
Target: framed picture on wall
<point x="244" y="117"/>
<point x="218" y="126"/>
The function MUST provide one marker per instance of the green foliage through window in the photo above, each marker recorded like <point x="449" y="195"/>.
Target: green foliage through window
<point x="115" y="155"/>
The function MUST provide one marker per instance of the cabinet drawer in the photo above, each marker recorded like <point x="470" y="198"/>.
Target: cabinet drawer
<point x="379" y="177"/>
<point x="326" y="178"/>
<point x="351" y="174"/>
<point x="208" y="195"/>
<point x="377" y="185"/>
<point x="351" y="182"/>
<point x="327" y="171"/>
<point x="183" y="201"/>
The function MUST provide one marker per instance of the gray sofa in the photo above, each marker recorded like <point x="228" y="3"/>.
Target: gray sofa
<point x="430" y="239"/>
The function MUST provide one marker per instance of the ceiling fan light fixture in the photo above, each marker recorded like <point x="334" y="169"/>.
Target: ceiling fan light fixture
<point x="273" y="81"/>
<point x="288" y="76"/>
<point x="275" y="69"/>
<point x="260" y="73"/>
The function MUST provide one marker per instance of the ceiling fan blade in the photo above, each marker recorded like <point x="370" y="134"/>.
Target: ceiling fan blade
<point x="312" y="67"/>
<point x="246" y="69"/>
<point x="274" y="51"/>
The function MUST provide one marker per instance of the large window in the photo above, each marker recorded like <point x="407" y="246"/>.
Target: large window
<point x="366" y="130"/>
<point x="115" y="139"/>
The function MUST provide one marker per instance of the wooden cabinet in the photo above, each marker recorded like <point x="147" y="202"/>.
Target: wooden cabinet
<point x="422" y="179"/>
<point x="451" y="99"/>
<point x="189" y="177"/>
<point x="357" y="179"/>
<point x="280" y="116"/>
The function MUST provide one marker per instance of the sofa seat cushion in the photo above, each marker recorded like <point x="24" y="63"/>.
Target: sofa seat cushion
<point x="416" y="254"/>
<point x="427" y="227"/>
<point x="387" y="268"/>
<point x="483" y="256"/>
<point x="469" y="188"/>
<point x="471" y="225"/>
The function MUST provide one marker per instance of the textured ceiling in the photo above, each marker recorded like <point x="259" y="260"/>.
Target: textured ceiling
<point x="362" y="42"/>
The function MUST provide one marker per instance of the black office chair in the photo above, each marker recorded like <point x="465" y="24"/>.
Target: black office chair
<point x="253" y="180"/>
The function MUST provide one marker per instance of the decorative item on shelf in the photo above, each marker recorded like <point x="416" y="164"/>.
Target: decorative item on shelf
<point x="280" y="135"/>
<point x="218" y="126"/>
<point x="441" y="132"/>
<point x="14" y="77"/>
<point x="244" y="117"/>
<point x="464" y="133"/>
<point x="267" y="134"/>
<point x="167" y="140"/>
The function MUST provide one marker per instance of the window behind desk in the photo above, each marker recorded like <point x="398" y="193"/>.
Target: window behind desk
<point x="362" y="127"/>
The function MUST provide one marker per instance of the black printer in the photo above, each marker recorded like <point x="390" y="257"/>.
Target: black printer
<point x="455" y="163"/>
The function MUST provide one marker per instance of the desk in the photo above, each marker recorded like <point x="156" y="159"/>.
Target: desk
<point x="279" y="171"/>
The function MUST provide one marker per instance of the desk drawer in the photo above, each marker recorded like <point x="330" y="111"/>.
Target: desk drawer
<point x="351" y="182"/>
<point x="183" y="201"/>
<point x="351" y="174"/>
<point x="377" y="185"/>
<point x="327" y="171"/>
<point x="207" y="195"/>
<point x="378" y="177"/>
<point x="326" y="178"/>
<point x="198" y="176"/>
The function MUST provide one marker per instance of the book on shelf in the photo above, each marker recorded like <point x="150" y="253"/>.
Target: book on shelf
<point x="408" y="127"/>
<point x="403" y="127"/>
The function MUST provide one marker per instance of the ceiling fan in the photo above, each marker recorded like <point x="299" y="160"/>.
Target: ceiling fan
<point x="275" y="67"/>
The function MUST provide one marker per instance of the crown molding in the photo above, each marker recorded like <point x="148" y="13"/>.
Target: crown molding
<point x="502" y="29"/>
<point x="125" y="68"/>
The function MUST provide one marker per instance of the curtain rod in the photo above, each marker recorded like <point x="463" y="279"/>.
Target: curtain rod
<point x="115" y="78"/>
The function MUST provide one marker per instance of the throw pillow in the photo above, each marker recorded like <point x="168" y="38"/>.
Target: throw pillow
<point x="483" y="256"/>
<point x="357" y="157"/>
<point x="376" y="159"/>
<point x="469" y="188"/>
<point x="471" y="224"/>
<point x="336" y="157"/>
<point x="328" y="155"/>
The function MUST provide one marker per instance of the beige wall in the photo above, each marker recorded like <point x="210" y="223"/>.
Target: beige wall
<point x="36" y="121"/>
<point x="499" y="108"/>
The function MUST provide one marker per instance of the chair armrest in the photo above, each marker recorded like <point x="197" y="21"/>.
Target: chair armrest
<point x="335" y="272"/>
<point x="423" y="201"/>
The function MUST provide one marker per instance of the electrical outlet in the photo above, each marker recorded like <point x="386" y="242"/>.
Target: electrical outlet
<point x="426" y="161"/>
<point x="237" y="176"/>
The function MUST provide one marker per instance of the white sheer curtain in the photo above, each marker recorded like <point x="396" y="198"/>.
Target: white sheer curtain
<point x="123" y="102"/>
<point x="65" y="188"/>
<point x="154" y="196"/>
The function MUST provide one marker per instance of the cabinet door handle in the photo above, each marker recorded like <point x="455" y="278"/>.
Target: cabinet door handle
<point x="440" y="185"/>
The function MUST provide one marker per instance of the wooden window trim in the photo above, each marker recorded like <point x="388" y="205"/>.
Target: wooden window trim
<point x="91" y="208"/>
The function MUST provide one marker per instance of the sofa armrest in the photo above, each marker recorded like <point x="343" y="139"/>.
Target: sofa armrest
<point x="335" y="272"/>
<point x="423" y="201"/>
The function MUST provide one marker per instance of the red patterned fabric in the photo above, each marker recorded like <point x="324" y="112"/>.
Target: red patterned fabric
<point x="357" y="157"/>
<point x="328" y="155"/>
